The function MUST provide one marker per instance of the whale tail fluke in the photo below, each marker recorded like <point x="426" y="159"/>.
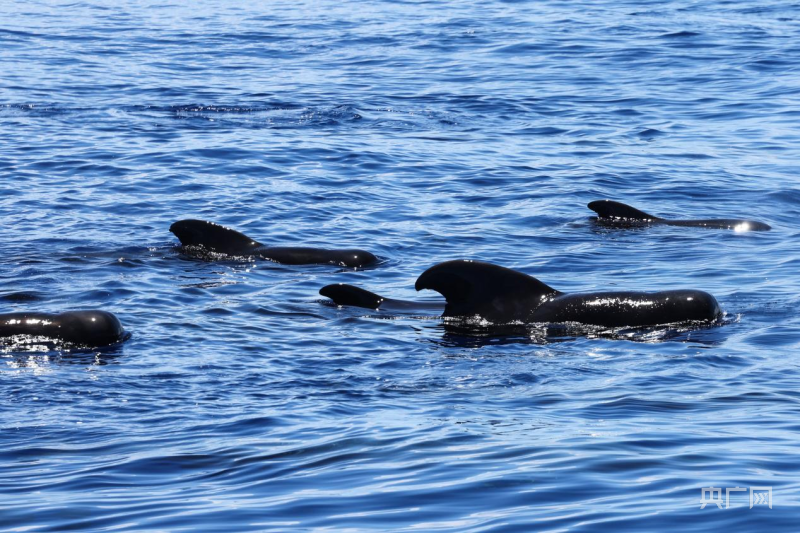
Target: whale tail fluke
<point x="213" y="237"/>
<point x="344" y="294"/>
<point x="494" y="293"/>
<point x="612" y="209"/>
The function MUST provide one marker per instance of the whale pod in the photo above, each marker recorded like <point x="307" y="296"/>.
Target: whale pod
<point x="616" y="213"/>
<point x="219" y="239"/>
<point x="88" y="329"/>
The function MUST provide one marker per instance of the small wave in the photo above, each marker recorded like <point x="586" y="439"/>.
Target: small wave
<point x="680" y="35"/>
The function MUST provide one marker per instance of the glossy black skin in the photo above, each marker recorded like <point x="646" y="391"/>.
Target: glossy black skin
<point x="88" y="329"/>
<point x="618" y="214"/>
<point x="222" y="240"/>
<point x="618" y="309"/>
<point x="344" y="294"/>
<point x="502" y="296"/>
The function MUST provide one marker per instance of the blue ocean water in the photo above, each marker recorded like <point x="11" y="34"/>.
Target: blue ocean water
<point x="422" y="131"/>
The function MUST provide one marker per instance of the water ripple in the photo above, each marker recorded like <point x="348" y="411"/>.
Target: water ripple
<point x="423" y="132"/>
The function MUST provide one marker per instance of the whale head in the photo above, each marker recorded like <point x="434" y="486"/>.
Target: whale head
<point x="90" y="328"/>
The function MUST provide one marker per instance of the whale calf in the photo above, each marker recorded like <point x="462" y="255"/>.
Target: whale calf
<point x="89" y="329"/>
<point x="222" y="240"/>
<point x="501" y="296"/>
<point x="616" y="213"/>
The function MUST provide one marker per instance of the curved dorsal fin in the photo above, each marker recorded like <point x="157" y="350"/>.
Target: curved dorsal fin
<point x="344" y="294"/>
<point x="612" y="209"/>
<point x="495" y="293"/>
<point x="213" y="237"/>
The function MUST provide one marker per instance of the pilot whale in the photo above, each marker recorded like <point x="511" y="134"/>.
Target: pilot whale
<point x="89" y="329"/>
<point x="222" y="240"/>
<point x="350" y="295"/>
<point x="616" y="213"/>
<point x="501" y="296"/>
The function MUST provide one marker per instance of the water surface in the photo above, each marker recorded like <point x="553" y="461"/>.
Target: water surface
<point x="423" y="132"/>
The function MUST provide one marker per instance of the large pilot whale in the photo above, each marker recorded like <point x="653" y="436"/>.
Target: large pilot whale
<point x="89" y="329"/>
<point x="222" y="240"/>
<point x="616" y="213"/>
<point x="500" y="295"/>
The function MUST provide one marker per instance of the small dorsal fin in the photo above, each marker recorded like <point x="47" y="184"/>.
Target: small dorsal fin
<point x="495" y="293"/>
<point x="213" y="237"/>
<point x="612" y="209"/>
<point x="344" y="294"/>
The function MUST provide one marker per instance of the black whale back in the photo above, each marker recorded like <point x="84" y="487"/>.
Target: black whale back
<point x="630" y="309"/>
<point x="501" y="295"/>
<point x="222" y="240"/>
<point x="79" y="328"/>
<point x="619" y="214"/>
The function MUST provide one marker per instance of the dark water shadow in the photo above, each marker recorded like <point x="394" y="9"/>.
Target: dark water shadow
<point x="22" y="297"/>
<point x="463" y="334"/>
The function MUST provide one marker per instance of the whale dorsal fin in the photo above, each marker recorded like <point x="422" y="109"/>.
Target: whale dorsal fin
<point x="612" y="209"/>
<point x="213" y="237"/>
<point x="344" y="294"/>
<point x="495" y="293"/>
